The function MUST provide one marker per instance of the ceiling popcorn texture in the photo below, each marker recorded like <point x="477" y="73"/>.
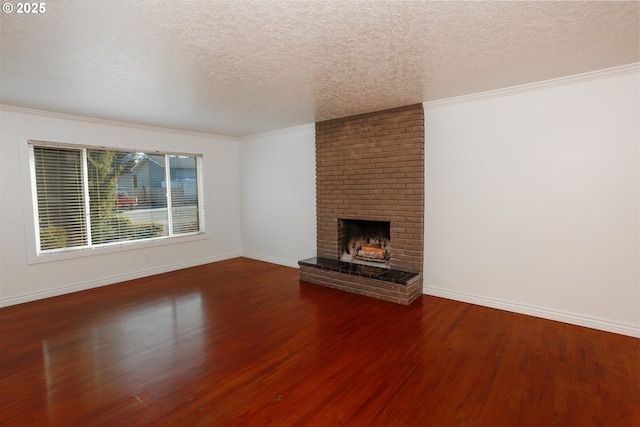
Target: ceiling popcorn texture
<point x="242" y="67"/>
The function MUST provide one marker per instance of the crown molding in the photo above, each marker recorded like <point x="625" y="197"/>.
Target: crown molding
<point x="86" y="119"/>
<point x="278" y="131"/>
<point x="561" y="81"/>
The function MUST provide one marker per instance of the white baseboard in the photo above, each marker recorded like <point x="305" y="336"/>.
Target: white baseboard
<point x="270" y="259"/>
<point x="574" y="319"/>
<point x="5" y="302"/>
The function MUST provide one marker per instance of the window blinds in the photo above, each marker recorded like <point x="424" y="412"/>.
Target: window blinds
<point x="88" y="197"/>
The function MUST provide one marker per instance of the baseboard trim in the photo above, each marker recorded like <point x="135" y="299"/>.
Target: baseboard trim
<point x="270" y="259"/>
<point x="573" y="319"/>
<point x="5" y="302"/>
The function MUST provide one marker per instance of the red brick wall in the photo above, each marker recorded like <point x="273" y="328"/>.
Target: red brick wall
<point x="371" y="167"/>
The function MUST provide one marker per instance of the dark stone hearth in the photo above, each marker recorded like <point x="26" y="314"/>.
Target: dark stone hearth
<point x="396" y="286"/>
<point x="385" y="274"/>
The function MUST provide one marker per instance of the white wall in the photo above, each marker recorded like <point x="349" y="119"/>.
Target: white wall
<point x="278" y="195"/>
<point x="532" y="201"/>
<point x="21" y="281"/>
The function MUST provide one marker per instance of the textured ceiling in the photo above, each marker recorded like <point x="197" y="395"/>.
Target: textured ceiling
<point x="242" y="67"/>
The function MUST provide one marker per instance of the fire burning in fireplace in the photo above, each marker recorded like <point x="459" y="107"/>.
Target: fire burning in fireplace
<point x="365" y="242"/>
<point x="371" y="253"/>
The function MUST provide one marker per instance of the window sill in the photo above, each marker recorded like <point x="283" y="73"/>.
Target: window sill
<point x="33" y="258"/>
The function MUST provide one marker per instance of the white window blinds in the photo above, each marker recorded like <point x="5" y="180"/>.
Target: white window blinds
<point x="87" y="197"/>
<point x="60" y="197"/>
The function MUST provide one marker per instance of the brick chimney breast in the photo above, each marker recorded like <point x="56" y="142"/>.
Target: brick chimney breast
<point x="370" y="167"/>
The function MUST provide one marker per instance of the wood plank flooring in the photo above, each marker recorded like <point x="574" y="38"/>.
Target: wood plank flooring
<point x="243" y="342"/>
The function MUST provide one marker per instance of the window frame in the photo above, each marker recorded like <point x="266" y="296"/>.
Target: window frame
<point x="36" y="255"/>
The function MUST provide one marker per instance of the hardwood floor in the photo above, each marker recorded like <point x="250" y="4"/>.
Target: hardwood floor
<point x="242" y="342"/>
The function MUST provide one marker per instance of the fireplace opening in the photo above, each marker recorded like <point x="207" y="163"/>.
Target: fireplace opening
<point x="365" y="242"/>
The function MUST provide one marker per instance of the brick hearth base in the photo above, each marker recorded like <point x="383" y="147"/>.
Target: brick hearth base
<point x="396" y="286"/>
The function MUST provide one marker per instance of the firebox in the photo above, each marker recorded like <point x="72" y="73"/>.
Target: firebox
<point x="365" y="242"/>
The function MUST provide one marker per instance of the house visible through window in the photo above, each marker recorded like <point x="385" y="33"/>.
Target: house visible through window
<point x="86" y="197"/>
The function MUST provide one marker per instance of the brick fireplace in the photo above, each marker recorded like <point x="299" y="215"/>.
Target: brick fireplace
<point x="370" y="181"/>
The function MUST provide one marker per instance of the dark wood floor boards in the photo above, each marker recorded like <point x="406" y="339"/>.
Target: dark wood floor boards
<point x="243" y="342"/>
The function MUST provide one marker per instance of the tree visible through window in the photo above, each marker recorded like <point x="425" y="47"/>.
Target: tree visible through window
<point x="87" y="197"/>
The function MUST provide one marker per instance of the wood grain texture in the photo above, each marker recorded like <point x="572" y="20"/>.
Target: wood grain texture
<point x="243" y="342"/>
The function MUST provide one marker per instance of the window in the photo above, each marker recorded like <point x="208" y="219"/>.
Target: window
<point x="86" y="197"/>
